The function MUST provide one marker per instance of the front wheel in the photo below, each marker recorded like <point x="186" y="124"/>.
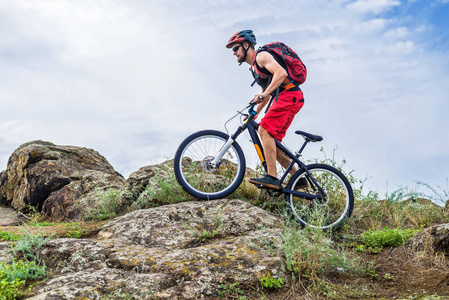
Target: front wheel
<point x="197" y="174"/>
<point x="325" y="198"/>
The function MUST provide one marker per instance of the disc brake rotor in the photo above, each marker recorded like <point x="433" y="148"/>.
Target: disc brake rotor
<point x="322" y="199"/>
<point x="207" y="165"/>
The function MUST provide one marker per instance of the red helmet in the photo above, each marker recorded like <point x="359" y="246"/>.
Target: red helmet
<point x="240" y="36"/>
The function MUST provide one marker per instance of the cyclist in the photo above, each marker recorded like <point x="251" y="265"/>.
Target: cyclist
<point x="287" y="101"/>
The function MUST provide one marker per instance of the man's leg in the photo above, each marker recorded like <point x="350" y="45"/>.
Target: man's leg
<point x="285" y="161"/>
<point x="269" y="149"/>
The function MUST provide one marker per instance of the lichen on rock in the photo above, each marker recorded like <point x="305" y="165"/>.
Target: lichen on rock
<point x="52" y="178"/>
<point x="164" y="252"/>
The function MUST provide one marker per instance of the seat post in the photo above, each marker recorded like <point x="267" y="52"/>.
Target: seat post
<point x="303" y="146"/>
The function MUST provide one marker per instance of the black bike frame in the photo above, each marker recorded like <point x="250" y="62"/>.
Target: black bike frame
<point x="252" y="127"/>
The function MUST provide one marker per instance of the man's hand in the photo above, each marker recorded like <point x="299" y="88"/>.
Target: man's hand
<point x="259" y="98"/>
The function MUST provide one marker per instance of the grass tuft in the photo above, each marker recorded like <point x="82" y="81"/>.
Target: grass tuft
<point x="387" y="237"/>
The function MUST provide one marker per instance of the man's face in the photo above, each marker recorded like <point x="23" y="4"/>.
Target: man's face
<point x="239" y="52"/>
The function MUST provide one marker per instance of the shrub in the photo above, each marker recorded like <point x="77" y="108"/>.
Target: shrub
<point x="13" y="277"/>
<point x="29" y="244"/>
<point x="11" y="289"/>
<point x="270" y="282"/>
<point x="22" y="270"/>
<point x="387" y="237"/>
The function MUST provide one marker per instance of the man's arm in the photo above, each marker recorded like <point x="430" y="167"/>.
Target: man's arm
<point x="267" y="61"/>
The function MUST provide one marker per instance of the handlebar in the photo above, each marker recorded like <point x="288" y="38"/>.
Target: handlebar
<point x="251" y="110"/>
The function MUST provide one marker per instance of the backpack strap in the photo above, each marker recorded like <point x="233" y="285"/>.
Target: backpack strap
<point x="271" y="100"/>
<point x="282" y="87"/>
<point x="289" y="86"/>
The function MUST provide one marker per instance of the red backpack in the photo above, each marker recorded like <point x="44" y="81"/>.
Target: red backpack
<point x="287" y="58"/>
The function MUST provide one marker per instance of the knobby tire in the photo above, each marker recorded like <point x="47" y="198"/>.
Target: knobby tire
<point x="194" y="172"/>
<point x="334" y="203"/>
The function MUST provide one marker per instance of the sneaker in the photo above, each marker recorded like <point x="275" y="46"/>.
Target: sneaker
<point x="301" y="184"/>
<point x="267" y="181"/>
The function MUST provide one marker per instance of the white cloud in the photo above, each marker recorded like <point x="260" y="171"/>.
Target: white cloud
<point x="397" y="33"/>
<point x="132" y="79"/>
<point x="403" y="47"/>
<point x="373" y="6"/>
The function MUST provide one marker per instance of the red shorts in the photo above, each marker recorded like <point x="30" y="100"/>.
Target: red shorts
<point x="281" y="113"/>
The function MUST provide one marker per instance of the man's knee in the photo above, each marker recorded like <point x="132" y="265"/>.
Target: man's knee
<point x="263" y="132"/>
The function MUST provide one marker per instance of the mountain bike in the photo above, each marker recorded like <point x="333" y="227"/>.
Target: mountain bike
<point x="210" y="164"/>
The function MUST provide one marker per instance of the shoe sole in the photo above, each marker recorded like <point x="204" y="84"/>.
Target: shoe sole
<point x="260" y="184"/>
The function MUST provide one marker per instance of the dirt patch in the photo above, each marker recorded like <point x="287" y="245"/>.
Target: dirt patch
<point x="402" y="272"/>
<point x="399" y="274"/>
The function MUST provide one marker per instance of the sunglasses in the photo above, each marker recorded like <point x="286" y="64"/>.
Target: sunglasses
<point x="236" y="48"/>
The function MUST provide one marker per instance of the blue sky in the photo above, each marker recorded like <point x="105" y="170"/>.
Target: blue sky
<point x="131" y="79"/>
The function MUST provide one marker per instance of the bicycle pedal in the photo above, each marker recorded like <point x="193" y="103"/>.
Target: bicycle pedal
<point x="259" y="186"/>
<point x="263" y="187"/>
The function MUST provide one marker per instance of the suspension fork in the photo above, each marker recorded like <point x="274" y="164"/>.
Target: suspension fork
<point x="215" y="162"/>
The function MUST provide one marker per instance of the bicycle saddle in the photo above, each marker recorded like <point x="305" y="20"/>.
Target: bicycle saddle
<point x="309" y="137"/>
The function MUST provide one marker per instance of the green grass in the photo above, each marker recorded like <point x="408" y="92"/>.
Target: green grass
<point x="270" y="282"/>
<point x="8" y="236"/>
<point x="109" y="206"/>
<point x="386" y="237"/>
<point x="41" y="224"/>
<point x="163" y="190"/>
<point x="12" y="289"/>
<point x="310" y="254"/>
<point x="13" y="277"/>
<point x="15" y="273"/>
<point x="22" y="270"/>
<point x="231" y="291"/>
<point x="74" y="230"/>
<point x="29" y="245"/>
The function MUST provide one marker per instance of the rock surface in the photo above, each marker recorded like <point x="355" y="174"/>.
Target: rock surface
<point x="9" y="217"/>
<point x="181" y="251"/>
<point x="53" y="178"/>
<point x="432" y="239"/>
<point x="142" y="184"/>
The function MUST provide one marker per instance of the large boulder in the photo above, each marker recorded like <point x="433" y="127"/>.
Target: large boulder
<point x="53" y="178"/>
<point x="188" y="250"/>
<point x="434" y="239"/>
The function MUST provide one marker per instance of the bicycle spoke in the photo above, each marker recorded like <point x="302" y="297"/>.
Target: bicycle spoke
<point x="333" y="202"/>
<point x="197" y="172"/>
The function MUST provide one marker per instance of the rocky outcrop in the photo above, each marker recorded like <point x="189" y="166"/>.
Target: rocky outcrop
<point x="143" y="180"/>
<point x="54" y="178"/>
<point x="181" y="251"/>
<point x="433" y="239"/>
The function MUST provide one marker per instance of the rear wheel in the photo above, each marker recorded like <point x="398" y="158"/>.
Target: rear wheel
<point x="334" y="198"/>
<point x="196" y="173"/>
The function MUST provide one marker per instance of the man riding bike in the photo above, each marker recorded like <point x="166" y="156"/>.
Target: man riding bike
<point x="287" y="100"/>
